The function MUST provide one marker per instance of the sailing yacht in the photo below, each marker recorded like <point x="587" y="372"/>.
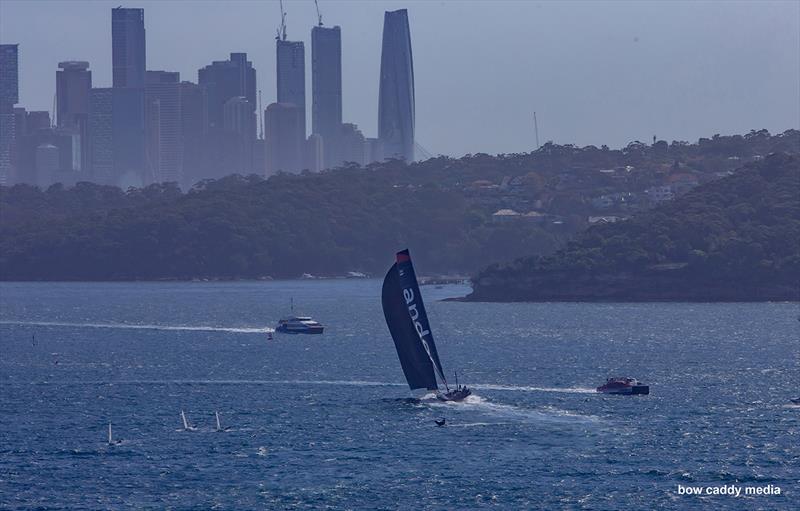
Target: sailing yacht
<point x="408" y="323"/>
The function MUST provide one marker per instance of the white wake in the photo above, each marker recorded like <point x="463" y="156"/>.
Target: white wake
<point x="192" y="328"/>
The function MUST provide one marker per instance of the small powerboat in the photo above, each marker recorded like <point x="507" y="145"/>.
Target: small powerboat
<point x="795" y="400"/>
<point x="624" y="385"/>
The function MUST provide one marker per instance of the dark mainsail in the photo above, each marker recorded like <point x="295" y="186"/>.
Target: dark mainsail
<point x="408" y="323"/>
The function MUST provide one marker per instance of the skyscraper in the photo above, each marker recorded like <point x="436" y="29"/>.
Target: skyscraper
<point x="194" y="128"/>
<point x="239" y="124"/>
<point x="128" y="69"/>
<point x="326" y="88"/>
<point x="396" y="96"/>
<point x="291" y="75"/>
<point x="73" y="83"/>
<point x="284" y="143"/>
<point x="9" y="96"/>
<point x="101" y="146"/>
<point x="128" y="47"/>
<point x="226" y="79"/>
<point x="9" y="76"/>
<point x="163" y="114"/>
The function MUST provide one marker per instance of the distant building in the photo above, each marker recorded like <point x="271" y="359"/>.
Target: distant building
<point x="47" y="164"/>
<point x="291" y="76"/>
<point x="226" y="79"/>
<point x="9" y="96"/>
<point x="350" y="147"/>
<point x="129" y="138"/>
<point x="194" y="131"/>
<point x="46" y="155"/>
<point x="313" y="153"/>
<point x="73" y="83"/>
<point x="659" y="193"/>
<point x="682" y="182"/>
<point x="164" y="126"/>
<point x="37" y="120"/>
<point x="239" y="125"/>
<point x="116" y="137"/>
<point x="222" y="81"/>
<point x="129" y="78"/>
<point x="101" y="138"/>
<point x="373" y="150"/>
<point x="128" y="48"/>
<point x="284" y="140"/>
<point x="505" y="215"/>
<point x="326" y="87"/>
<point x="609" y="219"/>
<point x="9" y="76"/>
<point x="396" y="95"/>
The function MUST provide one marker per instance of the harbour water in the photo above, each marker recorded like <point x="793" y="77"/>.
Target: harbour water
<point x="318" y="422"/>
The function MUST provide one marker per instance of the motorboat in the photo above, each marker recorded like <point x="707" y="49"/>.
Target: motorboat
<point x="795" y="400"/>
<point x="293" y="324"/>
<point x="299" y="325"/>
<point x="623" y="385"/>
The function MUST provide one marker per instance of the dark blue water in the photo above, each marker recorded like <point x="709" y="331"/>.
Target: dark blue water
<point x="325" y="421"/>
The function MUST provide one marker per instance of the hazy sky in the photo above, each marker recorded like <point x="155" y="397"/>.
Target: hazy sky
<point x="595" y="72"/>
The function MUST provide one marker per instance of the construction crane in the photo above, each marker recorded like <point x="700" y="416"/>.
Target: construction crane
<point x="282" y="29"/>
<point x="319" y="16"/>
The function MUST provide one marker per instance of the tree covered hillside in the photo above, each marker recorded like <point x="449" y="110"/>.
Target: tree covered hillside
<point x="239" y="227"/>
<point x="736" y="239"/>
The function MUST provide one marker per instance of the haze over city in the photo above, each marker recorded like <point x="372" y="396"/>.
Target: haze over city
<point x="595" y="73"/>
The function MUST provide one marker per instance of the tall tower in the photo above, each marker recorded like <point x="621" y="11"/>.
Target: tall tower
<point x="73" y="84"/>
<point x="291" y="74"/>
<point x="163" y="116"/>
<point x="128" y="47"/>
<point x="9" y="96"/>
<point x="396" y="97"/>
<point x="326" y="88"/>
<point x="128" y="114"/>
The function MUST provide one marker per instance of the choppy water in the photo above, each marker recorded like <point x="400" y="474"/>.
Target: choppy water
<point x="321" y="422"/>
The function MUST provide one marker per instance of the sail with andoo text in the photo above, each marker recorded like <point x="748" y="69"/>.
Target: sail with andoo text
<point x="408" y="323"/>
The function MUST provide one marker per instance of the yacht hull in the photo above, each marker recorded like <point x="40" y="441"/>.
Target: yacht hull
<point x="309" y="330"/>
<point x="454" y="395"/>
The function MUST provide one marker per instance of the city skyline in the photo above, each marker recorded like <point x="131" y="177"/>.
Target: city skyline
<point x="596" y="74"/>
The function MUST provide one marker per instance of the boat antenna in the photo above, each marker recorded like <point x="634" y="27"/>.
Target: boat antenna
<point x="455" y="373"/>
<point x="536" y="130"/>
<point x="292" y="304"/>
<point x="109" y="434"/>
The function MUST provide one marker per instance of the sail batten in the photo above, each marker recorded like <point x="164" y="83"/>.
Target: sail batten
<point x="408" y="323"/>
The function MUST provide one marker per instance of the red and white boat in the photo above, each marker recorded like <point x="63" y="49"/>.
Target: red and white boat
<point x="627" y="386"/>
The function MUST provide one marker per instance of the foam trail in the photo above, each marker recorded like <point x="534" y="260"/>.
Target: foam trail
<point x="354" y="383"/>
<point x="516" y="413"/>
<point x="525" y="388"/>
<point x="236" y="330"/>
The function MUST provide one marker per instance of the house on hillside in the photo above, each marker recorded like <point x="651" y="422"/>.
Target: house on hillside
<point x="682" y="182"/>
<point x="659" y="193"/>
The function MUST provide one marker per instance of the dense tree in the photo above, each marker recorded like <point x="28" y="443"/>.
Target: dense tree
<point x="733" y="239"/>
